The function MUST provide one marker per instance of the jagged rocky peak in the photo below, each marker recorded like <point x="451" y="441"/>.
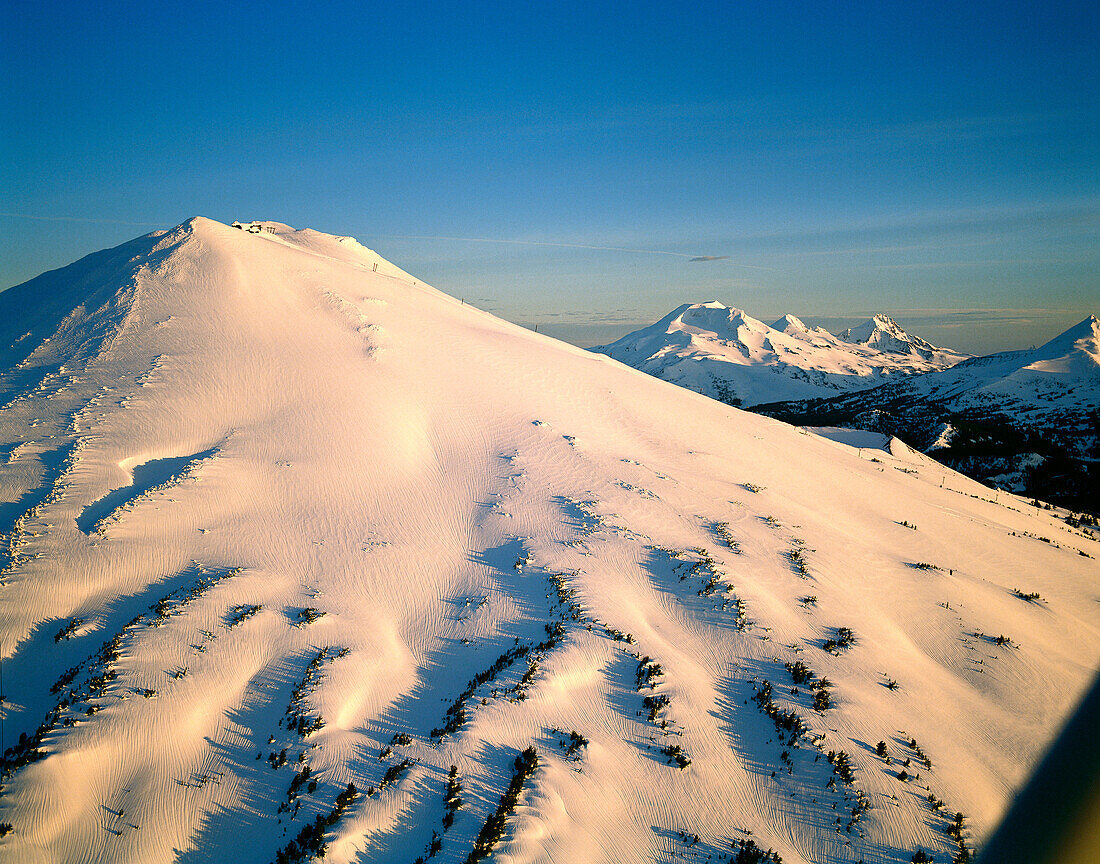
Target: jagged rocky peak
<point x="872" y="328"/>
<point x="885" y="334"/>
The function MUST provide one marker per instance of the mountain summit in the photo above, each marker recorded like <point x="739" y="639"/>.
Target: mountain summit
<point x="302" y="556"/>
<point x="790" y="324"/>
<point x="1076" y="352"/>
<point x="723" y="352"/>
<point x="885" y="334"/>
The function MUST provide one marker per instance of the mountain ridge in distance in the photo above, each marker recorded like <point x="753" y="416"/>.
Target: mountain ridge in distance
<point x="1027" y="421"/>
<point x="723" y="352"/>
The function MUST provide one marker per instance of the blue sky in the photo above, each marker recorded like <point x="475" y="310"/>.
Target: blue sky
<point x="936" y="161"/>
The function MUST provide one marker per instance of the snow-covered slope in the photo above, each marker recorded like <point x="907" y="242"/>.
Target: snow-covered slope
<point x="1063" y="374"/>
<point x="726" y="354"/>
<point x="1025" y="420"/>
<point x="274" y="506"/>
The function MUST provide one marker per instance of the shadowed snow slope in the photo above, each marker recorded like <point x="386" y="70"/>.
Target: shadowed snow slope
<point x="341" y="522"/>
<point x="724" y="353"/>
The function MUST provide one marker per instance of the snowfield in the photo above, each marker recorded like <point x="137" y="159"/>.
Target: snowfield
<point x="279" y="519"/>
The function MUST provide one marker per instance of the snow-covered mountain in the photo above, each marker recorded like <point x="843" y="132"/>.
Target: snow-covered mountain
<point x="1042" y="384"/>
<point x="1025" y="420"/>
<point x="724" y="353"/>
<point x="885" y="334"/>
<point x="302" y="555"/>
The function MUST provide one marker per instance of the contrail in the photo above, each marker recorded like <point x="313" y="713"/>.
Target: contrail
<point x="78" y="219"/>
<point x="532" y="243"/>
<point x="566" y="246"/>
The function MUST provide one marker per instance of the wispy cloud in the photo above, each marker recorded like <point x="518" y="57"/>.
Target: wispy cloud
<point x="755" y="122"/>
<point x="889" y="249"/>
<point x="952" y="319"/>
<point x="988" y="262"/>
<point x="1082" y="212"/>
<point x="579" y="317"/>
<point x="983" y="313"/>
<point x="942" y="128"/>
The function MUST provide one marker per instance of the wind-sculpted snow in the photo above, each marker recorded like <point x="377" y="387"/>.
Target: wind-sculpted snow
<point x="311" y="558"/>
<point x="149" y="478"/>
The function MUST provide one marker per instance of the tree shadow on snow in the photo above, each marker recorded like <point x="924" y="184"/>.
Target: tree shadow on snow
<point x="422" y="817"/>
<point x="799" y="788"/>
<point x="53" y="463"/>
<point x="674" y="578"/>
<point x="252" y="822"/>
<point x="40" y="660"/>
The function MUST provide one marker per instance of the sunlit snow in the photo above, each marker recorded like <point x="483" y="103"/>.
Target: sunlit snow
<point x="274" y="504"/>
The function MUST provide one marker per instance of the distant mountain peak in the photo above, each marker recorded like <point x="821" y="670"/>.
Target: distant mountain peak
<point x="1025" y="411"/>
<point x="1087" y="329"/>
<point x="790" y="324"/>
<point x="1074" y="353"/>
<point x="711" y="307"/>
<point x="869" y="329"/>
<point x="723" y="351"/>
<point x="714" y="317"/>
<point x="884" y="333"/>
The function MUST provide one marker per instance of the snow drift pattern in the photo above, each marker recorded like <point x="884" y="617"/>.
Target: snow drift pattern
<point x="416" y="583"/>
